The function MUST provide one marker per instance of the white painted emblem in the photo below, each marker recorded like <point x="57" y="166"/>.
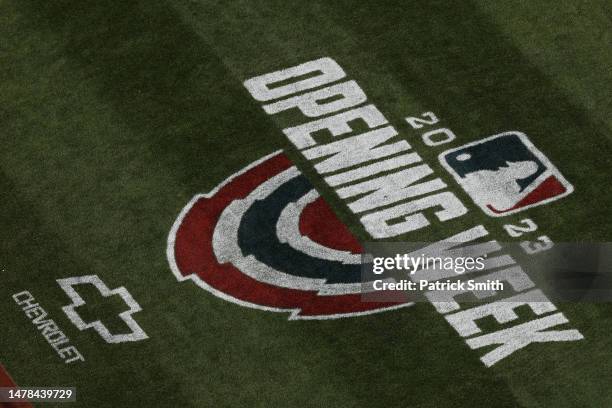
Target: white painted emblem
<point x="68" y="285"/>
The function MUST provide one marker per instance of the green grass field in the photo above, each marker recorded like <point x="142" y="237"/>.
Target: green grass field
<point x="113" y="115"/>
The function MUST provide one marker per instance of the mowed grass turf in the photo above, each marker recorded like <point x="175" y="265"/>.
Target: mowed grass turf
<point x="114" y="114"/>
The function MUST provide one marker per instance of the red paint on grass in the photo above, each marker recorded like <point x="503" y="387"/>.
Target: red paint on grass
<point x="7" y="381"/>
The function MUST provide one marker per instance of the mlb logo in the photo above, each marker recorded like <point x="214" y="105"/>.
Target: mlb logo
<point x="505" y="174"/>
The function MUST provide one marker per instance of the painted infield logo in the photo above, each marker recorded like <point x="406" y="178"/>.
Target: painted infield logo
<point x="69" y="285"/>
<point x="265" y="239"/>
<point x="505" y="174"/>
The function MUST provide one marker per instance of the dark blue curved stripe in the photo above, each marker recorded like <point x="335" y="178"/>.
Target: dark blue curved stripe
<point x="257" y="237"/>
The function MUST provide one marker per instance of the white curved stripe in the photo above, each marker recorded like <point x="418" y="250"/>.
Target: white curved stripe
<point x="288" y="231"/>
<point x="226" y="249"/>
